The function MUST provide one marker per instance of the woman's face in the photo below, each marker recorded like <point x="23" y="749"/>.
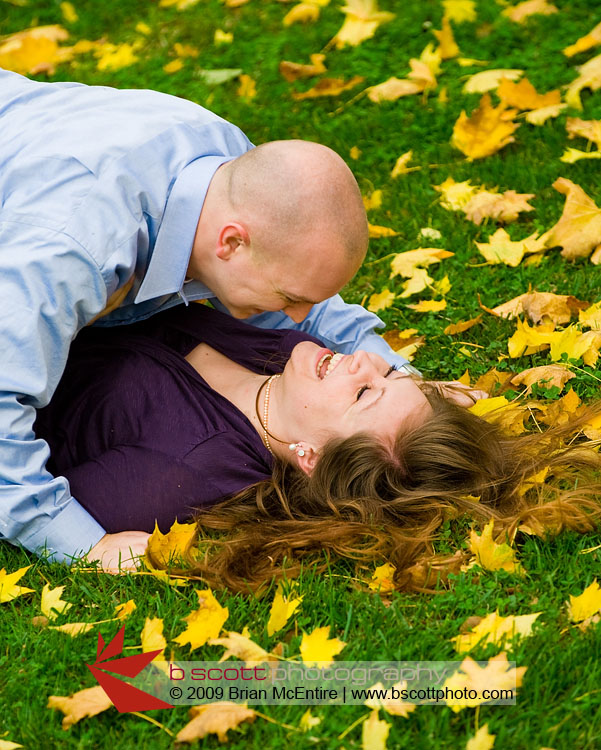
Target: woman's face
<point x="321" y="396"/>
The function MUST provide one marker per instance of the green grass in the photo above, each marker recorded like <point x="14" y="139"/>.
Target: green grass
<point x="559" y="703"/>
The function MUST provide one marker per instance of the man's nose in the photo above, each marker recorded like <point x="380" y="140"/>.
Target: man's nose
<point x="298" y="312"/>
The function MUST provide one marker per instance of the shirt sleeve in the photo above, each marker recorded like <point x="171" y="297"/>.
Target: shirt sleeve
<point x="341" y="326"/>
<point x="49" y="288"/>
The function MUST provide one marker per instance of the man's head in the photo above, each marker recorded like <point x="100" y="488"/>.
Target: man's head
<point x="283" y="227"/>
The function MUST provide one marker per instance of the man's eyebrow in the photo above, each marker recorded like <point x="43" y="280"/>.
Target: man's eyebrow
<point x="294" y="298"/>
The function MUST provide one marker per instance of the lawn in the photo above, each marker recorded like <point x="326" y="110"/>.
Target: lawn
<point x="559" y="703"/>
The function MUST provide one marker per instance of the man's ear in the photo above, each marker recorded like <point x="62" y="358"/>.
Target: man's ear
<point x="308" y="461"/>
<point x="231" y="237"/>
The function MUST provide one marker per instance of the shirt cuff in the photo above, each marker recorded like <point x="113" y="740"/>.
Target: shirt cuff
<point x="70" y="534"/>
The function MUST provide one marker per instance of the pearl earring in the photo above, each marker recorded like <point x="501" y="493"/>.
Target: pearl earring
<point x="294" y="446"/>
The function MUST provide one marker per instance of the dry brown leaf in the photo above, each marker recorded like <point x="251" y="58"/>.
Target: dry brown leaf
<point x="523" y="95"/>
<point x="540" y="305"/>
<point x="76" y="707"/>
<point x="500" y="206"/>
<point x="578" y="231"/>
<point x="519" y="13"/>
<point x="293" y="71"/>
<point x="486" y="131"/>
<point x="493" y="378"/>
<point x="552" y="375"/>
<point x="590" y="40"/>
<point x="214" y="718"/>
<point x="328" y="87"/>
<point x="462" y="326"/>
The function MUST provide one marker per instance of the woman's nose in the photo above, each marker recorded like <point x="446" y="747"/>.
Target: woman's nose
<point x="359" y="363"/>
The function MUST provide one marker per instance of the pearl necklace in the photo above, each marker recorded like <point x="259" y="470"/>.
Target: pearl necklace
<point x="263" y="422"/>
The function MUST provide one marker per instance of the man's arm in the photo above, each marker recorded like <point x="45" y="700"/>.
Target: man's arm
<point x="341" y="326"/>
<point x="49" y="289"/>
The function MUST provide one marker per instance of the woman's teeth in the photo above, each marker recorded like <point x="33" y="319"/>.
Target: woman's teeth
<point x="332" y="361"/>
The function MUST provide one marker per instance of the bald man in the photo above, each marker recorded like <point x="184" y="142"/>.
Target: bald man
<point x="143" y="200"/>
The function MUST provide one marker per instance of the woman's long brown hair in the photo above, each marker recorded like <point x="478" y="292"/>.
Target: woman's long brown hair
<point x="367" y="503"/>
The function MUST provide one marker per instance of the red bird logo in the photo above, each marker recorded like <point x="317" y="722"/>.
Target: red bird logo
<point x="124" y="696"/>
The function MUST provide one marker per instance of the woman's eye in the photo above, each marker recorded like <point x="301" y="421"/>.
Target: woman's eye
<point x="362" y="391"/>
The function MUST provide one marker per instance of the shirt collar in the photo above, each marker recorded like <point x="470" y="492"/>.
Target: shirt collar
<point x="169" y="261"/>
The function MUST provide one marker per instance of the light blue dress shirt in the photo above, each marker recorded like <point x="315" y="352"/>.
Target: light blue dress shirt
<point x="97" y="184"/>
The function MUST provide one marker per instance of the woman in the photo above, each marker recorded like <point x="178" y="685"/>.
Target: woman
<point x="326" y="451"/>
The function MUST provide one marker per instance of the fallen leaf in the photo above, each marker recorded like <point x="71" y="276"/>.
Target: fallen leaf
<point x="547" y="375"/>
<point x="590" y="317"/>
<point x="8" y="745"/>
<point x="400" y="166"/>
<point x="8" y="584"/>
<point x="405" y="264"/>
<point x="538" y="306"/>
<point x="392" y="89"/>
<point x="205" y="622"/>
<point x="578" y="230"/>
<point x="74" y="629"/>
<point x="374" y="732"/>
<point x="382" y="579"/>
<point x="247" y="88"/>
<point x="495" y="675"/>
<point x="561" y="411"/>
<point x="455" y="328"/>
<point x="373" y="200"/>
<point x="375" y="231"/>
<point x="282" y="609"/>
<point x="482" y="740"/>
<point x="219" y="76"/>
<point x="572" y="155"/>
<point x="52" y="604"/>
<point x="523" y="95"/>
<point x="486" y="131"/>
<point x="122" y="611"/>
<point x="502" y="249"/>
<point x="448" y="46"/>
<point x="499" y="206"/>
<point x="170" y="547"/>
<point x="318" y="647"/>
<point x="429" y="305"/>
<point x="429" y="233"/>
<point x="88" y="702"/>
<point x="328" y="87"/>
<point x="241" y="646"/>
<point x="459" y="10"/>
<point x="69" y="12"/>
<point x="489" y="554"/>
<point x="361" y="22"/>
<point x="455" y="195"/>
<point x="495" y="629"/>
<point x="393" y="706"/>
<point x="381" y="301"/>
<point x="489" y="80"/>
<point x="35" y="50"/>
<point x="586" y="604"/>
<point x="527" y="340"/>
<point x="214" y="718"/>
<point x="174" y="66"/>
<point x="185" y="50"/>
<point x="304" y="12"/>
<point x="293" y="71"/>
<point x="417" y="283"/>
<point x="152" y="639"/>
<point x="590" y="40"/>
<point x="589" y="78"/>
<point x="589" y="129"/>
<point x="519" y="13"/>
<point x="115" y="56"/>
<point x="540" y="116"/>
<point x="222" y="37"/>
<point x="308" y="721"/>
<point x="355" y="153"/>
<point x="178" y="4"/>
<point x="143" y="28"/>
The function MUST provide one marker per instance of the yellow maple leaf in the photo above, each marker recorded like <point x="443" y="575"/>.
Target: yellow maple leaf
<point x="88" y="702"/>
<point x="374" y="732"/>
<point x="293" y="71"/>
<point x="205" y="622"/>
<point x="486" y="131"/>
<point x="586" y="604"/>
<point x="404" y="264"/>
<point x="400" y="166"/>
<point x="578" y="230"/>
<point x="430" y="305"/>
<point x="247" y="88"/>
<point x="152" y="638"/>
<point x="496" y="675"/>
<point x="572" y="155"/>
<point x="393" y="706"/>
<point x="382" y="578"/>
<point x="174" y="66"/>
<point x="361" y="22"/>
<point x="304" y="12"/>
<point x="502" y="249"/>
<point x="540" y="116"/>
<point x="490" y="555"/>
<point x="420" y="280"/>
<point x="122" y="611"/>
<point x="328" y="87"/>
<point x="464" y="325"/>
<point x="590" y="40"/>
<point x="171" y="546"/>
<point x="373" y="200"/>
<point x="546" y="375"/>
<point x="318" y="647"/>
<point x="590" y="317"/>
<point x="482" y="740"/>
<point x="459" y="10"/>
<point x="528" y="340"/>
<point x="376" y="231"/>
<point x="69" y="12"/>
<point x="448" y="46"/>
<point x="35" y="50"/>
<point x="214" y="718"/>
<point x="222" y="37"/>
<point x="115" y="56"/>
<point x="282" y="609"/>
<point x="489" y="80"/>
<point x="589" y="129"/>
<point x="500" y="206"/>
<point x="381" y="301"/>
<point x="495" y="629"/>
<point x="185" y="50"/>
<point x="519" y="13"/>
<point x="143" y="28"/>
<point x="8" y="584"/>
<point x="52" y="604"/>
<point x="455" y="195"/>
<point x="589" y="78"/>
<point x="241" y="646"/>
<point x="560" y="411"/>
<point x="523" y="95"/>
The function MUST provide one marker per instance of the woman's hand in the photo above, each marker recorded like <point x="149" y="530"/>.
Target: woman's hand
<point x="118" y="553"/>
<point x="461" y="394"/>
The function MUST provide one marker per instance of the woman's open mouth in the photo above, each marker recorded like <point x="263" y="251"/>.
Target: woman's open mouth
<point x="327" y="363"/>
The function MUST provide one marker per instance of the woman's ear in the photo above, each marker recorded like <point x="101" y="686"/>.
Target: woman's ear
<point x="306" y="458"/>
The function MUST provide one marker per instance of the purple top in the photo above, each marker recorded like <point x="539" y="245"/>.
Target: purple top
<point x="137" y="431"/>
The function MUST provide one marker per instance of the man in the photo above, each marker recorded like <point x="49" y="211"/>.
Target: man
<point x="147" y="200"/>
